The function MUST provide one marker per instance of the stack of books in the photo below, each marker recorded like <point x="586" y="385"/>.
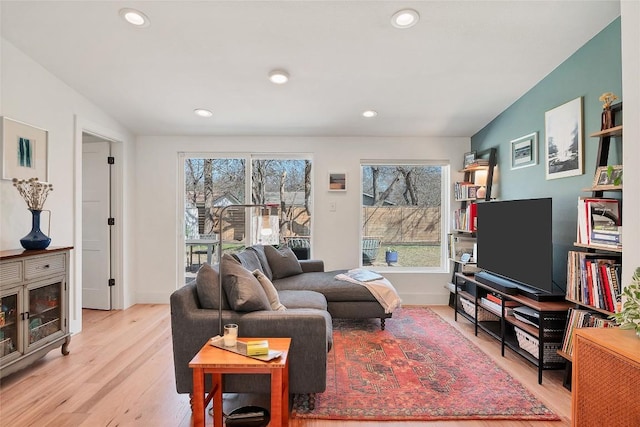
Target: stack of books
<point x="579" y="318"/>
<point x="599" y="222"/>
<point x="594" y="279"/>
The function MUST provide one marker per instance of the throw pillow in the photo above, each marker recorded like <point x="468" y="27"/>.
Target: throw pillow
<point x="283" y="262"/>
<point x="270" y="290"/>
<point x="243" y="290"/>
<point x="208" y="288"/>
<point x="249" y="260"/>
<point x="259" y="250"/>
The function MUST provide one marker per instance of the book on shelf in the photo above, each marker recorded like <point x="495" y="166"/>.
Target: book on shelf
<point x="581" y="318"/>
<point x="599" y="221"/>
<point x="493" y="307"/>
<point x="466" y="219"/>
<point x="465" y="190"/>
<point x="593" y="279"/>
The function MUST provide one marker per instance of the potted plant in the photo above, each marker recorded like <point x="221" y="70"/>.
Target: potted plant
<point x="629" y="317"/>
<point x="390" y="256"/>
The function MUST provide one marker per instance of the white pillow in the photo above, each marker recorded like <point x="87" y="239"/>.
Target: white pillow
<point x="270" y="290"/>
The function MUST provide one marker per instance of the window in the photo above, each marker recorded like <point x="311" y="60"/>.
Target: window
<point x="402" y="212"/>
<point x="213" y="182"/>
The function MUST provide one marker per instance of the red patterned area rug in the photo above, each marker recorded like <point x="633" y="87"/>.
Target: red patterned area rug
<point x="419" y="368"/>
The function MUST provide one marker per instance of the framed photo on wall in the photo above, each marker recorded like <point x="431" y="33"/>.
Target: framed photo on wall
<point x="24" y="151"/>
<point x="524" y="151"/>
<point x="563" y="140"/>
<point x="337" y="181"/>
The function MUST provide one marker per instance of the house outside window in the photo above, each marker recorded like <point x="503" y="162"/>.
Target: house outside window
<point x="403" y="215"/>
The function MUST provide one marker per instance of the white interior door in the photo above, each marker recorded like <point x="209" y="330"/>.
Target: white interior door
<point x="96" y="251"/>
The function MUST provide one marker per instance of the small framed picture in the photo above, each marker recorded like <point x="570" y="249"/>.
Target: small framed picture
<point x="603" y="180"/>
<point x="469" y="159"/>
<point x="337" y="181"/>
<point x="24" y="151"/>
<point x="524" y="151"/>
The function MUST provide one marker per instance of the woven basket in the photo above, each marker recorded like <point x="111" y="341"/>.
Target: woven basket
<point x="530" y="345"/>
<point x="483" y="315"/>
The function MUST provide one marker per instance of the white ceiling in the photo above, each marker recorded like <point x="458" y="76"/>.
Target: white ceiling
<point x="463" y="64"/>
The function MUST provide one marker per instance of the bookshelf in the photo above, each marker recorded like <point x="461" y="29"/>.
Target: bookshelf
<point x="537" y="343"/>
<point x="476" y="186"/>
<point x="593" y="313"/>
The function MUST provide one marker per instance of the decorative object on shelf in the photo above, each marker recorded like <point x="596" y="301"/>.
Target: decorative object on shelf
<point x="607" y="177"/>
<point x="607" y="117"/>
<point x="629" y="317"/>
<point x="524" y="151"/>
<point x="390" y="256"/>
<point x="564" y="140"/>
<point x="469" y="159"/>
<point x="34" y="193"/>
<point x="337" y="181"/>
<point x="24" y="150"/>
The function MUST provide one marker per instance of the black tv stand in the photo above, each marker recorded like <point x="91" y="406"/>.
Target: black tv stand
<point x="512" y="288"/>
<point x="492" y="311"/>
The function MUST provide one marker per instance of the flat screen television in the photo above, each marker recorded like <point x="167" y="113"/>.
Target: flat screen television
<point x="515" y="242"/>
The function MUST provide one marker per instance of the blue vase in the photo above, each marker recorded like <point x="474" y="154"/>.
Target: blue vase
<point x="36" y="239"/>
<point x="390" y="257"/>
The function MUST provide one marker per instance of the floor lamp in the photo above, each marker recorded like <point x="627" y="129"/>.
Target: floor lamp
<point x="265" y="229"/>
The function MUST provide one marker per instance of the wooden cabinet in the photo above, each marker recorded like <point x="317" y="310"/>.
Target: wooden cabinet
<point x="606" y="375"/>
<point x="475" y="301"/>
<point x="34" y="308"/>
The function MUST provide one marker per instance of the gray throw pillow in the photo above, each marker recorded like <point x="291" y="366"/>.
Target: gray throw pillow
<point x="243" y="290"/>
<point x="283" y="262"/>
<point x="208" y="288"/>
<point x="249" y="260"/>
<point x="270" y="290"/>
<point x="259" y="250"/>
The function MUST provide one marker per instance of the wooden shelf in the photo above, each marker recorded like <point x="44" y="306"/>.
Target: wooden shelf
<point x="598" y="247"/>
<point x="614" y="131"/>
<point x="603" y="188"/>
<point x="590" y="307"/>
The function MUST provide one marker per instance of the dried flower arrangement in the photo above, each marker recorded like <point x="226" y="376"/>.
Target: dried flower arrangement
<point x="33" y="192"/>
<point x="607" y="98"/>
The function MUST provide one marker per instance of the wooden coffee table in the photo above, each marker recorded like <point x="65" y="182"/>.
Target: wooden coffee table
<point x="216" y="362"/>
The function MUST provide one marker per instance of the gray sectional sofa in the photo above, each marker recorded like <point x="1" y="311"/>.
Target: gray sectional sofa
<point x="311" y="297"/>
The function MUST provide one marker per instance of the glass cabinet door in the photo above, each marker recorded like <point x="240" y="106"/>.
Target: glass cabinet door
<point x="9" y="332"/>
<point x="45" y="312"/>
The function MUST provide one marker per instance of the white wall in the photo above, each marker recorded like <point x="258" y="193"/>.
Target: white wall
<point x="335" y="234"/>
<point x="630" y="28"/>
<point x="30" y="94"/>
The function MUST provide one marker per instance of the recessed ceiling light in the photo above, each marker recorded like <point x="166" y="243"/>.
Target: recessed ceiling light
<point x="134" y="17"/>
<point x="369" y="113"/>
<point x="202" y="112"/>
<point x="279" y="77"/>
<point x="405" y="18"/>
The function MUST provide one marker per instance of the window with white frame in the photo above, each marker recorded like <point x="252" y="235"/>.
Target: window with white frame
<point x="402" y="215"/>
<point x="212" y="182"/>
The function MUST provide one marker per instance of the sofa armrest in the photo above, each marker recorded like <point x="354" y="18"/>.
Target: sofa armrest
<point x="312" y="265"/>
<point x="310" y="331"/>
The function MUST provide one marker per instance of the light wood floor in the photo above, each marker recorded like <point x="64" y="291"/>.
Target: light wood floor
<point x="120" y="373"/>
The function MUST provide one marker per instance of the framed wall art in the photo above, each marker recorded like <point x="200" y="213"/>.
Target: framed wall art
<point x="563" y="140"/>
<point x="337" y="181"/>
<point x="24" y="151"/>
<point x="524" y="151"/>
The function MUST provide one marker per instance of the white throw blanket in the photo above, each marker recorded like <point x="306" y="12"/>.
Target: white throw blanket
<point x="381" y="289"/>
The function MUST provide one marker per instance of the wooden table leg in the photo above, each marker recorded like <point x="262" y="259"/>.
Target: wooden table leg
<point x="198" y="397"/>
<point x="217" y="399"/>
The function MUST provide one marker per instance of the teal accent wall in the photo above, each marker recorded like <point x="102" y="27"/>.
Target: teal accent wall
<point x="592" y="70"/>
